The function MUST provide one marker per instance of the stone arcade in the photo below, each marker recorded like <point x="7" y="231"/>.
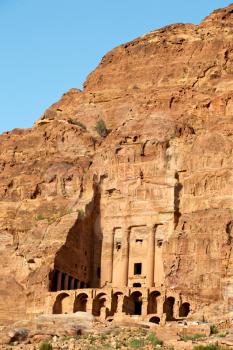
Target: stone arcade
<point x="149" y="304"/>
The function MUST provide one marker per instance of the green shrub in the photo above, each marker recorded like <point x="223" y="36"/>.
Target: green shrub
<point x="78" y="123"/>
<point x="136" y="343"/>
<point x="213" y="329"/>
<point x="69" y="211"/>
<point x="154" y="340"/>
<point x="196" y="336"/>
<point x="40" y="217"/>
<point x="103" y="336"/>
<point x="208" y="347"/>
<point x="222" y="335"/>
<point x="91" y="338"/>
<point x="54" y="217"/>
<point x="45" y="346"/>
<point x="81" y="213"/>
<point x="101" y="128"/>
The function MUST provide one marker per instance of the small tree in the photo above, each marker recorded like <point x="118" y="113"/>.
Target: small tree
<point x="213" y="329"/>
<point x="101" y="128"/>
<point x="77" y="122"/>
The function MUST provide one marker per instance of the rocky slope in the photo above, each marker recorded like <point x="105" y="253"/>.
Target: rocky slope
<point x="167" y="99"/>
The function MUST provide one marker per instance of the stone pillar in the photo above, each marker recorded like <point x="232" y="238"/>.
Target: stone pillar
<point x="120" y="302"/>
<point x="66" y="282"/>
<point x="125" y="258"/>
<point x="144" y="306"/>
<point x="89" y="304"/>
<point x="151" y="257"/>
<point x="176" y="309"/>
<point x="72" y="283"/>
<point x="160" y="301"/>
<point x="107" y="259"/>
<point x="108" y="302"/>
<point x="59" y="277"/>
<point x="103" y="313"/>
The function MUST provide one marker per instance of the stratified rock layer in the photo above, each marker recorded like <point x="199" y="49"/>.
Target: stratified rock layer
<point x="167" y="99"/>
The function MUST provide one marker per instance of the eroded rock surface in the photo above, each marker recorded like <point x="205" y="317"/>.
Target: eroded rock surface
<point x="167" y="101"/>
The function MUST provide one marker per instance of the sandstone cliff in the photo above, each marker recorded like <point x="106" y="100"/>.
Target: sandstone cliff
<point x="167" y="100"/>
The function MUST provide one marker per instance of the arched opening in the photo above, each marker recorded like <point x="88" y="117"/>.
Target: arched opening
<point x="184" y="310"/>
<point x="154" y="319"/>
<point x="61" y="305"/>
<point x="114" y="305"/>
<point x="152" y="302"/>
<point x="133" y="304"/>
<point x="168" y="308"/>
<point x="98" y="303"/>
<point x="80" y="303"/>
<point x="137" y="285"/>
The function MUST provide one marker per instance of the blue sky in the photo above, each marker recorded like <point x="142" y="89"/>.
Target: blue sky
<point x="49" y="46"/>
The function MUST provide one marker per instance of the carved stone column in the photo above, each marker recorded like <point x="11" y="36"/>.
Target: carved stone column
<point x="151" y="257"/>
<point x="66" y="282"/>
<point x="176" y="309"/>
<point x="59" y="277"/>
<point x="107" y="259"/>
<point x="125" y="258"/>
<point x="160" y="301"/>
<point x="72" y="283"/>
<point x="120" y="303"/>
<point x="144" y="306"/>
<point x="89" y="304"/>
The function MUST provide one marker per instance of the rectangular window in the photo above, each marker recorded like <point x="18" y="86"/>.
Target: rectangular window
<point x="137" y="269"/>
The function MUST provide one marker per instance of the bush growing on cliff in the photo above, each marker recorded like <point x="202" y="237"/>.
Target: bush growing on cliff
<point x="222" y="334"/>
<point x="213" y="329"/>
<point x="78" y="123"/>
<point x="40" y="217"/>
<point x="101" y="128"/>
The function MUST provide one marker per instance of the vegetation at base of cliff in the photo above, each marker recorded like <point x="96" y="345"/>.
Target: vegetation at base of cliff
<point x="77" y="122"/>
<point x="196" y="336"/>
<point x="210" y="347"/>
<point x="139" y="343"/>
<point x="46" y="346"/>
<point x="117" y="338"/>
<point x="154" y="340"/>
<point x="101" y="128"/>
<point x="136" y="343"/>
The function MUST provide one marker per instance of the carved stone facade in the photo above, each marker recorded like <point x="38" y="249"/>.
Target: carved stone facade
<point x="135" y="217"/>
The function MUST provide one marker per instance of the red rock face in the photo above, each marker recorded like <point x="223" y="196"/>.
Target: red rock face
<point x="167" y="101"/>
